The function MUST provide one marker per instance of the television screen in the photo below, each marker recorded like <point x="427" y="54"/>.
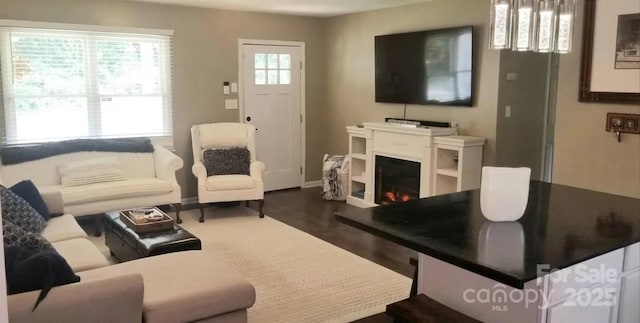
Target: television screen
<point x="432" y="67"/>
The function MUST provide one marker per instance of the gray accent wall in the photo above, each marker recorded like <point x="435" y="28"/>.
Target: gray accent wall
<point x="519" y="137"/>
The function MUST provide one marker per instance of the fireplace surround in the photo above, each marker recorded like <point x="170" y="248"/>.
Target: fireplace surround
<point x="394" y="141"/>
<point x="430" y="153"/>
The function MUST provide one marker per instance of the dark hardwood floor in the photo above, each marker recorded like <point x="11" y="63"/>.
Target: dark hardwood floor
<point x="305" y="210"/>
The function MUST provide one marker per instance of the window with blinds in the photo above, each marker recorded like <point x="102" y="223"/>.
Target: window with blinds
<point x="61" y="84"/>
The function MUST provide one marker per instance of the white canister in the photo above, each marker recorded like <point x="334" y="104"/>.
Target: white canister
<point x="504" y="192"/>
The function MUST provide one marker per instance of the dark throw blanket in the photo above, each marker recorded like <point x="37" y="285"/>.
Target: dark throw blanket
<point x="21" y="154"/>
<point x="29" y="270"/>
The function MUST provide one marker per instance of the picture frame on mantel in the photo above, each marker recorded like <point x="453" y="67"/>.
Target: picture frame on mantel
<point x="610" y="66"/>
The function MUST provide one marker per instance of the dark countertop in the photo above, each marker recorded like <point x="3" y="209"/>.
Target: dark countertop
<point x="561" y="226"/>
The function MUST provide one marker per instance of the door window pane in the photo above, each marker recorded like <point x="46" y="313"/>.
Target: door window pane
<point x="272" y="61"/>
<point x="260" y="60"/>
<point x="273" y="76"/>
<point x="285" y="61"/>
<point x="285" y="77"/>
<point x="261" y="77"/>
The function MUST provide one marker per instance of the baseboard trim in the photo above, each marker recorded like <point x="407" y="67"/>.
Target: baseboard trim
<point x="310" y="184"/>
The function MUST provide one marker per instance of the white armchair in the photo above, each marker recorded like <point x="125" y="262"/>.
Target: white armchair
<point x="226" y="188"/>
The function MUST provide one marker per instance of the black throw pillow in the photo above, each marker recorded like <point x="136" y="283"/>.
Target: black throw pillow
<point x="232" y="161"/>
<point x="29" y="192"/>
<point x="17" y="211"/>
<point x="29" y="270"/>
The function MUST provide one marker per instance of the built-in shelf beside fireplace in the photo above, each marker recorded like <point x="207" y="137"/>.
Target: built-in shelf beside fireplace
<point x="376" y="141"/>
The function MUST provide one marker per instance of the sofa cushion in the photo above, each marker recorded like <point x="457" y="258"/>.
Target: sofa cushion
<point x="16" y="236"/>
<point x="91" y="171"/>
<point x="29" y="192"/>
<point x="231" y="161"/>
<point x="63" y="228"/>
<point x="114" y="190"/>
<point x="223" y="135"/>
<point x="17" y="211"/>
<point x="230" y="182"/>
<point x="209" y="289"/>
<point x="81" y="254"/>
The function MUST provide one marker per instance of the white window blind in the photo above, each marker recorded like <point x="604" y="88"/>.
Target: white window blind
<point x="62" y="84"/>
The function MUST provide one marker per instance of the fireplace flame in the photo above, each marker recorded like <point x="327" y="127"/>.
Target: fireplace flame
<point x="391" y="197"/>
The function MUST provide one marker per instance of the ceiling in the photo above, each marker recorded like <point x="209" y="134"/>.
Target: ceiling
<point x="316" y="8"/>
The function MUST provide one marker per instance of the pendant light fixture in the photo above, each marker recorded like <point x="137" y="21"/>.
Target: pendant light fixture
<point x="543" y="26"/>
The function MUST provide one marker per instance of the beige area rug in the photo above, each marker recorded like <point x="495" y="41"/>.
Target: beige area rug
<point x="298" y="278"/>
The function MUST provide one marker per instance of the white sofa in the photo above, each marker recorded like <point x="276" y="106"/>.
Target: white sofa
<point x="189" y="286"/>
<point x="151" y="181"/>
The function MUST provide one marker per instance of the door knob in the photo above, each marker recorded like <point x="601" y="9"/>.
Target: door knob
<point x="248" y="118"/>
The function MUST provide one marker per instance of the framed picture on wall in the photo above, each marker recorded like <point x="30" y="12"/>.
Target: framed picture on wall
<point x="610" y="68"/>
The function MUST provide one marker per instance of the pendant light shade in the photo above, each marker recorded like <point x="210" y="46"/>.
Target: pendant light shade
<point x="566" y="14"/>
<point x="523" y="25"/>
<point x="545" y="36"/>
<point x="543" y="26"/>
<point x="501" y="16"/>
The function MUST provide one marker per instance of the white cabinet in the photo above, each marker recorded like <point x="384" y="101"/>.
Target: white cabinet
<point x="629" y="304"/>
<point x="597" y="290"/>
<point x="360" y="178"/>
<point x="629" y="310"/>
<point x="594" y="305"/>
<point x="457" y="164"/>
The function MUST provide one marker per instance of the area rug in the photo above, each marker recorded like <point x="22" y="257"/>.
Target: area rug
<point x="298" y="278"/>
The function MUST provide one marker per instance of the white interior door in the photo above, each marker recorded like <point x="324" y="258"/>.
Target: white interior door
<point x="271" y="95"/>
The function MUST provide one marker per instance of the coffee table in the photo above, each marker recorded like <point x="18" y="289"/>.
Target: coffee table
<point x="125" y="244"/>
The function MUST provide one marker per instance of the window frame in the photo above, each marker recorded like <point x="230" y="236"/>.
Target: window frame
<point x="89" y="34"/>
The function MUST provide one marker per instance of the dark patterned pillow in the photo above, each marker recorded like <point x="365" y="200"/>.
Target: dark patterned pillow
<point x="17" y="211"/>
<point x="227" y="161"/>
<point x="15" y="236"/>
<point x="29" y="192"/>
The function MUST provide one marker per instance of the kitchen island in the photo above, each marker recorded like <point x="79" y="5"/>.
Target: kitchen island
<point x="573" y="257"/>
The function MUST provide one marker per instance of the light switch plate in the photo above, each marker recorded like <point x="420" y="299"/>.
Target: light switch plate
<point x="234" y="87"/>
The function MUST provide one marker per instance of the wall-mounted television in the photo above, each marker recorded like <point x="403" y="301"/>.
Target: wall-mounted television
<point x="431" y="67"/>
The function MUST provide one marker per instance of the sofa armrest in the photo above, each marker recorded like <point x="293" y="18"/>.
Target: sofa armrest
<point x="199" y="171"/>
<point x="167" y="163"/>
<point x="115" y="299"/>
<point x="256" y="169"/>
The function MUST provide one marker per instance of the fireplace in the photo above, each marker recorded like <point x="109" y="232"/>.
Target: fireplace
<point x="397" y="180"/>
